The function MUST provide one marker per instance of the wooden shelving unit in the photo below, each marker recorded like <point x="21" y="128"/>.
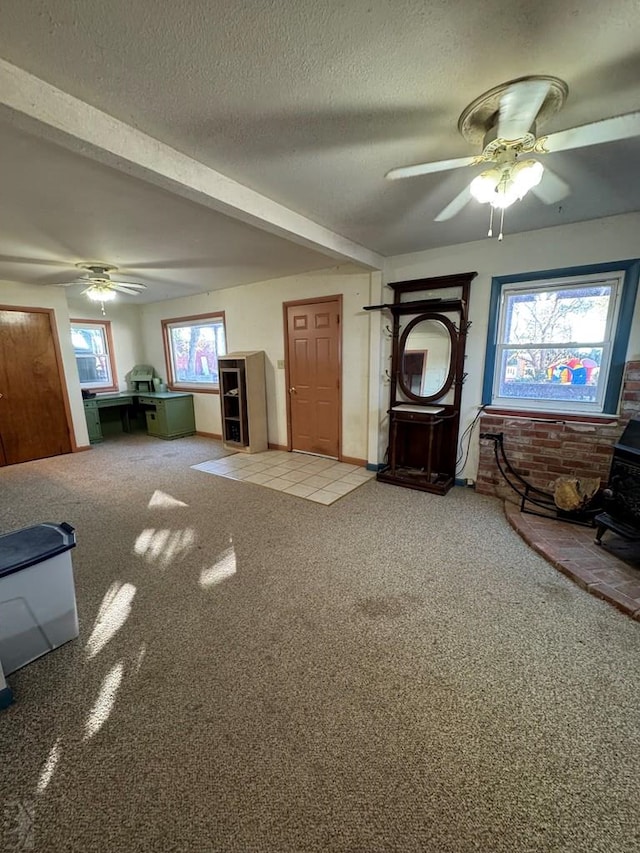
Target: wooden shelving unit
<point x="243" y="401"/>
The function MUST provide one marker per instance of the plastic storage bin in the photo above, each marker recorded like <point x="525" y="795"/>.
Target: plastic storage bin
<point x="37" y="594"/>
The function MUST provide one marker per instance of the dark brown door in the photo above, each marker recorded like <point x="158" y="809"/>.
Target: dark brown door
<point x="313" y="361"/>
<point x="33" y="416"/>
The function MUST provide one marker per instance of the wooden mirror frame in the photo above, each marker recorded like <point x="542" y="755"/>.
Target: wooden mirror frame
<point x="453" y="335"/>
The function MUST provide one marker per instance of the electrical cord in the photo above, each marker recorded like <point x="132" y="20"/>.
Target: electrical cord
<point x="468" y="432"/>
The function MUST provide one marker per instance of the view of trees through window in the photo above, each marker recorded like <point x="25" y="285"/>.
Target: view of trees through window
<point x="195" y="348"/>
<point x="92" y="355"/>
<point x="554" y="342"/>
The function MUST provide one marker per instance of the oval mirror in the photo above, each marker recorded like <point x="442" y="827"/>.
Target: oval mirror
<point x="427" y="357"/>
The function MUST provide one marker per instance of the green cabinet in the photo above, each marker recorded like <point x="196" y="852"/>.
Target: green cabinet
<point x="168" y="415"/>
<point x="92" y="415"/>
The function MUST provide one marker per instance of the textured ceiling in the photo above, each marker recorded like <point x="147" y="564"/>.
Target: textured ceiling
<point x="66" y="209"/>
<point x="310" y="103"/>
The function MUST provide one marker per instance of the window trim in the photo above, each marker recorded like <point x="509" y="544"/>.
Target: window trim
<point x="106" y="326"/>
<point x="629" y="271"/>
<point x="192" y="320"/>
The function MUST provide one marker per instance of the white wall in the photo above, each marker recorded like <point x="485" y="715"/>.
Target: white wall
<point x="254" y="321"/>
<point x="128" y="348"/>
<point x="33" y="296"/>
<point x="612" y="239"/>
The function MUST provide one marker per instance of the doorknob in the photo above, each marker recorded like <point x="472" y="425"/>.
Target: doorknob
<point x="292" y="390"/>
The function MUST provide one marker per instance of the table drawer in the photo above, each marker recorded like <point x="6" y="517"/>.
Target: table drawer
<point x="151" y="401"/>
<point x="420" y="417"/>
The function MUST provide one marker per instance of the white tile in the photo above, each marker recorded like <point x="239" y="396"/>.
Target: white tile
<point x="339" y="487"/>
<point x="323" y="497"/>
<point x="355" y="478"/>
<point x="276" y="470"/>
<point x="290" y="465"/>
<point x="309" y="457"/>
<point x="318" y="481"/>
<point x="209" y="467"/>
<point x="236" y="474"/>
<point x="319" y="466"/>
<point x="260" y="479"/>
<point x="294" y="476"/>
<point x="341" y="468"/>
<point x="240" y="461"/>
<point x="277" y="484"/>
<point x="300" y="490"/>
<point x="255" y="468"/>
<point x="228" y="465"/>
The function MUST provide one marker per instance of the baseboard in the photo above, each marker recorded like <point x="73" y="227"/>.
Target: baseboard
<point x="6" y="697"/>
<point x="277" y="446"/>
<point x="353" y="460"/>
<point x="80" y="447"/>
<point x="218" y="437"/>
<point x="375" y="466"/>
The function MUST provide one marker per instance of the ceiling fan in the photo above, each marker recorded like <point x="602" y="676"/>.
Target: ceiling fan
<point x="505" y="121"/>
<point x="101" y="286"/>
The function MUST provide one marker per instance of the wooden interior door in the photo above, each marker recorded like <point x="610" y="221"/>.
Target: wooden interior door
<point x="33" y="410"/>
<point x="313" y="375"/>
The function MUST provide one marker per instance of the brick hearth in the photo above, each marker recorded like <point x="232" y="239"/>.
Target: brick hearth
<point x="542" y="450"/>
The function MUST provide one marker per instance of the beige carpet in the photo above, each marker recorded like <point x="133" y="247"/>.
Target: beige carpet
<point x="261" y="674"/>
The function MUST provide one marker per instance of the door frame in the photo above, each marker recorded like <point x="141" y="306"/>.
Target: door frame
<point x="285" y="309"/>
<point x="59" y="364"/>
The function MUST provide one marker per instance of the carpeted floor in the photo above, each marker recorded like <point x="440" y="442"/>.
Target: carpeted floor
<point x="259" y="674"/>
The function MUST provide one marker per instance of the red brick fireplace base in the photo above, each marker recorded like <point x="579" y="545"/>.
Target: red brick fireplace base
<point x="541" y="450"/>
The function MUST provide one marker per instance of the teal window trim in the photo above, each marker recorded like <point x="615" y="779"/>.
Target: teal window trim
<point x="631" y="269"/>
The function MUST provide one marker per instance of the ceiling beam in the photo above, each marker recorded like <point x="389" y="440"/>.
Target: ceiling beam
<point x="50" y="113"/>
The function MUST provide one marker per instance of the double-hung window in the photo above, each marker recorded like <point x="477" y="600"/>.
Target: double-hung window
<point x="558" y="340"/>
<point x="192" y="347"/>
<point x="93" y="349"/>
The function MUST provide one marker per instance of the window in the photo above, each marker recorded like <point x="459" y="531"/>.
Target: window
<point x="192" y="346"/>
<point x="93" y="348"/>
<point x="558" y="339"/>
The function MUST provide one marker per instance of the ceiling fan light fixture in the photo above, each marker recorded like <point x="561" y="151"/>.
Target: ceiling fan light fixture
<point x="503" y="185"/>
<point x="526" y="174"/>
<point x="484" y="186"/>
<point x="101" y="293"/>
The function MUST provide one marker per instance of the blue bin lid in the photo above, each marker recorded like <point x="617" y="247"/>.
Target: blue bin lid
<point x="31" y="545"/>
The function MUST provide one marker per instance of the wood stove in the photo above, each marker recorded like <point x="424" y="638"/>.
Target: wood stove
<point x="622" y="496"/>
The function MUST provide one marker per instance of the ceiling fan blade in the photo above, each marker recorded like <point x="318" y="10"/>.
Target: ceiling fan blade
<point x="519" y="107"/>
<point x="455" y="206"/>
<point x="551" y="188"/>
<point x="124" y="288"/>
<point x="134" y="284"/>
<point x="607" y="130"/>
<point x="428" y="168"/>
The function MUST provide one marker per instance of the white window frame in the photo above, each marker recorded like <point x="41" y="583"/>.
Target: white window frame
<point x="111" y="384"/>
<point x="214" y="318"/>
<point x="615" y="281"/>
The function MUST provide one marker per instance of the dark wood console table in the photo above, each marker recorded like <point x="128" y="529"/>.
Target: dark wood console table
<point x="427" y="374"/>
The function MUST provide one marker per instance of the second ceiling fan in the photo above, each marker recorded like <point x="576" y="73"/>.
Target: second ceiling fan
<point x="505" y="121"/>
<point x="101" y="286"/>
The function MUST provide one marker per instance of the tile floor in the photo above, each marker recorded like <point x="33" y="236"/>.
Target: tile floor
<point x="314" y="478"/>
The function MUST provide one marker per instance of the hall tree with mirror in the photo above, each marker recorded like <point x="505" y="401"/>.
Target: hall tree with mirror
<point x="428" y="333"/>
